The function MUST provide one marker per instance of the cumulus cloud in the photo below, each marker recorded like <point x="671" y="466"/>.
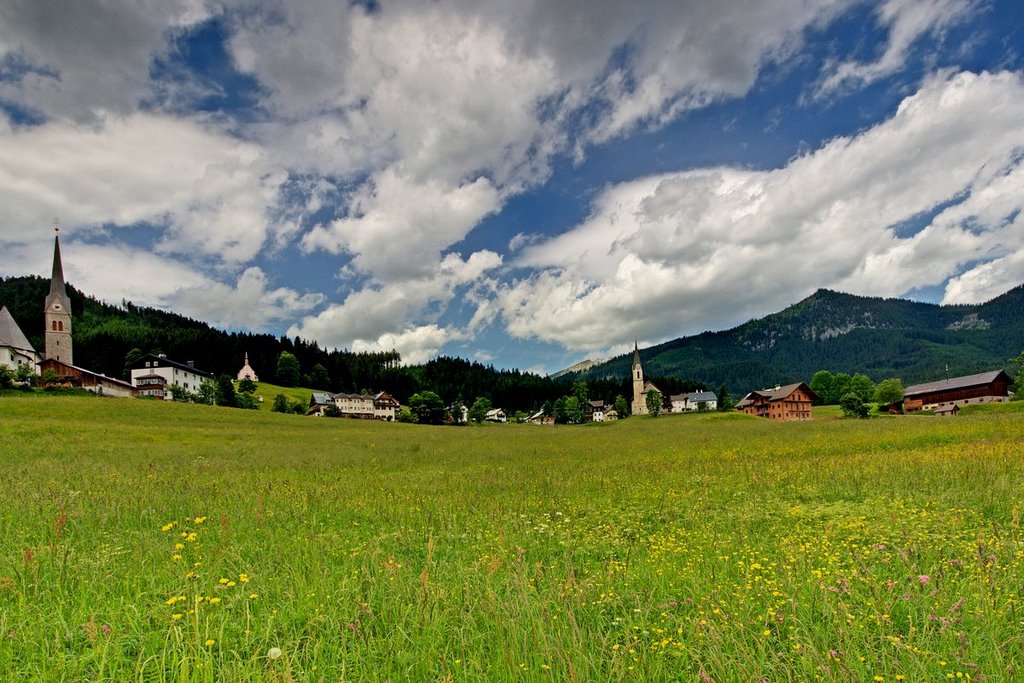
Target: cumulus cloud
<point x="907" y="21"/>
<point x="211" y="192"/>
<point x="76" y="60"/>
<point x="381" y="317"/>
<point x="250" y="304"/>
<point x="713" y="246"/>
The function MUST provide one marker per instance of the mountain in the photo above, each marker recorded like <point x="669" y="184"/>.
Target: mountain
<point x="839" y="332"/>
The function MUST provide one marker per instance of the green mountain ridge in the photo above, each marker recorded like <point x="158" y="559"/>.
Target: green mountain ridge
<point x="841" y="332"/>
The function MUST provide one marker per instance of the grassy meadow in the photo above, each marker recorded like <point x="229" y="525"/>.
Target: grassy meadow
<point x="166" y="542"/>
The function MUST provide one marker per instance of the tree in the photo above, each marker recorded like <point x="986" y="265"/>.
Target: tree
<point x="288" y="370"/>
<point x="405" y="415"/>
<point x="889" y="391"/>
<point x="853" y="406"/>
<point x="559" y="413"/>
<point x="129" y="359"/>
<point x="318" y="377"/>
<point x="6" y="377"/>
<point x="862" y="386"/>
<point x="653" y="403"/>
<point x="24" y="373"/>
<point x="246" y="400"/>
<point x="225" y="392"/>
<point x="49" y="377"/>
<point x="478" y="412"/>
<point x="821" y="384"/>
<point x="331" y="410"/>
<point x="1018" y="372"/>
<point x="180" y="393"/>
<point x="573" y="410"/>
<point x="246" y="386"/>
<point x="725" y="403"/>
<point x="280" y="404"/>
<point x="621" y="406"/>
<point x="207" y="393"/>
<point x="427" y="407"/>
<point x="579" y="390"/>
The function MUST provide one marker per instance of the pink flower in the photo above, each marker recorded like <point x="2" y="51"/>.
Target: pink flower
<point x="924" y="579"/>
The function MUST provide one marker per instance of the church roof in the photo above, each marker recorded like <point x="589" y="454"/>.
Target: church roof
<point x="57" y="289"/>
<point x="636" y="355"/>
<point x="11" y="335"/>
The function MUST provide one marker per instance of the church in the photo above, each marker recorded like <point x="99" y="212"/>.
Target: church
<point x="640" y="387"/>
<point x="58" y="356"/>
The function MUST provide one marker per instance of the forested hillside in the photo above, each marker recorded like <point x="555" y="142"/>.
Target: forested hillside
<point x="843" y="333"/>
<point x="104" y="335"/>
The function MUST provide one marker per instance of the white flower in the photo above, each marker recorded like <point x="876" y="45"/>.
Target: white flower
<point x="273" y="653"/>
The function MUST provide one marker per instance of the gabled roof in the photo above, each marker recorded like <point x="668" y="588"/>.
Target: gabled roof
<point x="57" y="290"/>
<point x="320" y="399"/>
<point x="956" y="383"/>
<point x="701" y="396"/>
<point x="11" y="335"/>
<point x="779" y="393"/>
<point x="636" y="355"/>
<point x="164" y="361"/>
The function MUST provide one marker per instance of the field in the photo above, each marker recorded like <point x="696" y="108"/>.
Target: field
<point x="154" y="541"/>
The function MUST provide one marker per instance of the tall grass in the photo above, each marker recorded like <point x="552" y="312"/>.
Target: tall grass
<point x="155" y="541"/>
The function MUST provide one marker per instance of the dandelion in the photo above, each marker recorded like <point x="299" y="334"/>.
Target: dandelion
<point x="210" y="642"/>
<point x="244" y="578"/>
<point x="176" y="616"/>
<point x="200" y="520"/>
<point x="167" y="527"/>
<point x="253" y="596"/>
<point x="175" y="557"/>
<point x="274" y="653"/>
<point x="230" y="584"/>
<point x="214" y="601"/>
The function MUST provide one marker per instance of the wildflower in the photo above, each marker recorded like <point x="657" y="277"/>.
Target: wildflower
<point x="179" y="546"/>
<point x="274" y="653"/>
<point x="191" y="537"/>
<point x="106" y="628"/>
<point x="176" y="616"/>
<point x="230" y="584"/>
<point x="214" y="601"/>
<point x="200" y="520"/>
<point x="244" y="578"/>
<point x="878" y="678"/>
<point x="210" y="642"/>
<point x="223" y="581"/>
<point x="168" y="526"/>
<point x="924" y="579"/>
<point x="175" y="557"/>
<point x="253" y="596"/>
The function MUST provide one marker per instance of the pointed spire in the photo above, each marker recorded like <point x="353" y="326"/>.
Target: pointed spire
<point x="57" y="289"/>
<point x="636" y="354"/>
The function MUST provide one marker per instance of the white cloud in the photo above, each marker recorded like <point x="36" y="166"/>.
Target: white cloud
<point x="87" y="57"/>
<point x="714" y="246"/>
<point x="382" y="317"/>
<point x="249" y="304"/>
<point x="210" y="191"/>
<point x="907" y="21"/>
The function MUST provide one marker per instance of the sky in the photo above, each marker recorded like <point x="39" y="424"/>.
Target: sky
<point x="526" y="184"/>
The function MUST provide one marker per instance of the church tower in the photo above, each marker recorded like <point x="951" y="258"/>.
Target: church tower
<point x="58" y="311"/>
<point x="639" y="406"/>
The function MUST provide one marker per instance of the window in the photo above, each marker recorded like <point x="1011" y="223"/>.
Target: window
<point x="54" y="324"/>
<point x="60" y="326"/>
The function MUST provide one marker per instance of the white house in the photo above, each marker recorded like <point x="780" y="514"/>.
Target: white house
<point x="496" y="415"/>
<point x="15" y="348"/>
<point x="355" y="405"/>
<point x="694" y="401"/>
<point x="385" y="407"/>
<point x="154" y="375"/>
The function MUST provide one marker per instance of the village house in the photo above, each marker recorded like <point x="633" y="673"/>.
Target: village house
<point x="985" y="387"/>
<point x="694" y="401"/>
<point x="789" y="402"/>
<point x="385" y="406"/>
<point x="15" y="348"/>
<point x="496" y="415"/>
<point x="154" y="375"/>
<point x="594" y="411"/>
<point x="379" y="406"/>
<point x="318" y="401"/>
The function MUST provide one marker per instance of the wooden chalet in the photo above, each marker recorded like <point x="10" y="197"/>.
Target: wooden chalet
<point x="789" y="402"/>
<point x="985" y="387"/>
<point x="72" y="375"/>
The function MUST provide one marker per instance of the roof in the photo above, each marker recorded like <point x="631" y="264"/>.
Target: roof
<point x="536" y="416"/>
<point x="11" y="335"/>
<point x="636" y="355"/>
<point x="57" y="290"/>
<point x="139" y="364"/>
<point x="494" y="412"/>
<point x="53" y="362"/>
<point x="699" y="396"/>
<point x="955" y="383"/>
<point x="597" y="404"/>
<point x="777" y="393"/>
<point x="320" y="399"/>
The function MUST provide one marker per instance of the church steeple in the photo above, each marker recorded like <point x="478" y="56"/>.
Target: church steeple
<point x="639" y="406"/>
<point x="58" y="309"/>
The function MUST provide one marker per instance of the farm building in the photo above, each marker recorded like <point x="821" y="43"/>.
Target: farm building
<point x="87" y="379"/>
<point x="789" y="402"/>
<point x="985" y="387"/>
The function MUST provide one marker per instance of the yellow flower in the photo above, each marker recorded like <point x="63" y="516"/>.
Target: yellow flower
<point x="175" y="557"/>
<point x="766" y="632"/>
<point x="179" y="546"/>
<point x="878" y="678"/>
<point x="210" y="642"/>
<point x="199" y="599"/>
<point x="168" y="526"/>
<point x="223" y="581"/>
<point x="244" y="578"/>
<point x="191" y="537"/>
<point x="200" y="520"/>
<point x="253" y="596"/>
<point x="214" y="601"/>
<point x="176" y="617"/>
<point x="230" y="584"/>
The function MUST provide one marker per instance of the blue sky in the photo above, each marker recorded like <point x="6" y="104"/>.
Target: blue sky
<point x="527" y="184"/>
